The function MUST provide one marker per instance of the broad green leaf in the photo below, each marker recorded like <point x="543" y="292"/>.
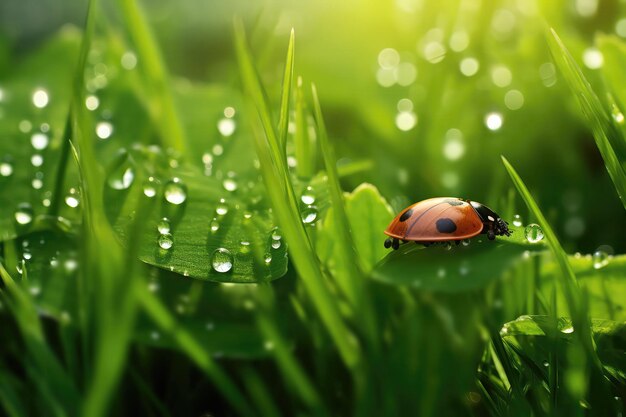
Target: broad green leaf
<point x="455" y="268"/>
<point x="368" y="215"/>
<point x="32" y="136"/>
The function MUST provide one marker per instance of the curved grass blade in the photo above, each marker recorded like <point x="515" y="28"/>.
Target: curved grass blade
<point x="349" y="277"/>
<point x="598" y="119"/>
<point x="283" y="122"/>
<point x="575" y="303"/>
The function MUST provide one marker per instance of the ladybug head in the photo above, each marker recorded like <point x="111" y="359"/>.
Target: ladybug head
<point x="502" y="227"/>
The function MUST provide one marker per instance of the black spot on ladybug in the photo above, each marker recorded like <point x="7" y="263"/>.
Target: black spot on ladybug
<point x="455" y="202"/>
<point x="445" y="225"/>
<point x="406" y="215"/>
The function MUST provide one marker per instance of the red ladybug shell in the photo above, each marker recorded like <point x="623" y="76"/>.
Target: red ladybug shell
<point x="435" y="220"/>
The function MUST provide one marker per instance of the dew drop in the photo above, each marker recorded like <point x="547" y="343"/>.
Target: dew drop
<point x="39" y="141"/>
<point x="150" y="187"/>
<point x="221" y="208"/>
<point x="276" y="234"/>
<point x="215" y="225"/>
<point x="469" y="66"/>
<point x="517" y="220"/>
<point x="36" y="160"/>
<point x="546" y="364"/>
<point x="276" y="244"/>
<point x="229" y="184"/>
<point x="465" y="242"/>
<point x="406" y="120"/>
<point x="268" y="258"/>
<point x="600" y="259"/>
<point x="307" y="196"/>
<point x="226" y="126"/>
<point x="72" y="198"/>
<point x="24" y="214"/>
<point x="92" y="102"/>
<point x="164" y="226"/>
<point x="129" y="60"/>
<point x="493" y="121"/>
<point x="222" y="260"/>
<point x="244" y="246"/>
<point x="567" y="330"/>
<point x="40" y="98"/>
<point x="175" y="191"/>
<point x="104" y="130"/>
<point x="309" y="214"/>
<point x="6" y="169"/>
<point x="122" y="177"/>
<point x="165" y="241"/>
<point x="533" y="233"/>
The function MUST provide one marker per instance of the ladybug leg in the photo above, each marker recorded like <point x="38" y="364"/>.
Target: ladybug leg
<point x="395" y="244"/>
<point x="491" y="234"/>
<point x="388" y="243"/>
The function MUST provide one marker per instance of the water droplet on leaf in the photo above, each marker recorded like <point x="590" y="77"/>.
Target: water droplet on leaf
<point x="309" y="214"/>
<point x="164" y="226"/>
<point x="222" y="260"/>
<point x="533" y="233"/>
<point x="600" y="259"/>
<point x="165" y="241"/>
<point x="24" y="214"/>
<point x="175" y="191"/>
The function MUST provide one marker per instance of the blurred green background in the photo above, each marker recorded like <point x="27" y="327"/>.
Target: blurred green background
<point x="408" y="87"/>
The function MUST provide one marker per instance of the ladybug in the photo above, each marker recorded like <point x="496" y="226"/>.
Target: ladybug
<point x="444" y="219"/>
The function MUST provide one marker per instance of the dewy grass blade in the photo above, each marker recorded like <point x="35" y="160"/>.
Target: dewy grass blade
<point x="304" y="146"/>
<point x="160" y="102"/>
<point x="108" y="307"/>
<point x="283" y="123"/>
<point x="278" y="185"/>
<point x="570" y="284"/>
<point x="350" y="282"/>
<point x="597" y="116"/>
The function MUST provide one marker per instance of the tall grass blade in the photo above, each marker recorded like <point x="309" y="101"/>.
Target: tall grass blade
<point x="278" y="185"/>
<point x="350" y="281"/>
<point x="304" y="145"/>
<point x="160" y="102"/>
<point x="107" y="299"/>
<point x="283" y="123"/>
<point x="597" y="116"/>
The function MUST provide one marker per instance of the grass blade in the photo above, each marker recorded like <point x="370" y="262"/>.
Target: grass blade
<point x="160" y="103"/>
<point x="575" y="302"/>
<point x="278" y="184"/>
<point x="304" y="145"/>
<point x="283" y="123"/>
<point x="349" y="281"/>
<point x="598" y="118"/>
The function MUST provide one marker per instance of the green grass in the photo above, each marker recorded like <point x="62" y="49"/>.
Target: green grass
<point x="277" y="296"/>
